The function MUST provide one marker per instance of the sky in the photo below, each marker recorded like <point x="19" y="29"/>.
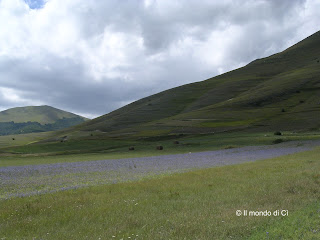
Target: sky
<point x="91" y="57"/>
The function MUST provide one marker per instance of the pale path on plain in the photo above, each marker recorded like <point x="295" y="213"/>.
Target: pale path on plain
<point x="28" y="180"/>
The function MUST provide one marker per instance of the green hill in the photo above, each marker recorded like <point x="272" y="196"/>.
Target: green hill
<point x="41" y="114"/>
<point x="36" y="119"/>
<point x="280" y="92"/>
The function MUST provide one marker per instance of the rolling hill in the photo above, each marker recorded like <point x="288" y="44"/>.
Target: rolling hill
<point x="41" y="114"/>
<point x="36" y="119"/>
<point x="279" y="92"/>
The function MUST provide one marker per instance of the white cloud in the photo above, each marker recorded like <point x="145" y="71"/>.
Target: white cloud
<point x="13" y="96"/>
<point x="93" y="56"/>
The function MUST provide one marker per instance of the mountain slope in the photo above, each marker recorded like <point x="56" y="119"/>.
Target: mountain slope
<point x="36" y="119"/>
<point x="41" y="114"/>
<point x="278" y="92"/>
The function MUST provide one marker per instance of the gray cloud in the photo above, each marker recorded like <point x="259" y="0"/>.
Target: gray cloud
<point x="91" y="57"/>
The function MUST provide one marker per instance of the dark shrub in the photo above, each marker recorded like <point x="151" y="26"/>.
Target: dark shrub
<point x="229" y="147"/>
<point x="64" y="139"/>
<point x="298" y="91"/>
<point x="301" y="101"/>
<point x="283" y="110"/>
<point x="176" y="142"/>
<point x="131" y="148"/>
<point x="159" y="147"/>
<point x="276" y="141"/>
<point x="277" y="133"/>
<point x="13" y="139"/>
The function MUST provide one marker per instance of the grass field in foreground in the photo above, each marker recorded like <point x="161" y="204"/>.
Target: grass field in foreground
<point x="196" y="205"/>
<point x="94" y="149"/>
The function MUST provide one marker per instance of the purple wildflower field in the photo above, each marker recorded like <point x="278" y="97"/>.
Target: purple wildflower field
<point x="22" y="181"/>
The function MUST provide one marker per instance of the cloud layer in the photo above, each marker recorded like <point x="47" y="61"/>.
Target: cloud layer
<point x="91" y="57"/>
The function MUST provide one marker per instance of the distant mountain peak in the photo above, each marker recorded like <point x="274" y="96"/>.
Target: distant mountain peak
<point x="42" y="114"/>
<point x="30" y="119"/>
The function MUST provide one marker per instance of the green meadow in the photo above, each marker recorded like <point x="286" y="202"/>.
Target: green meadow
<point x="97" y="147"/>
<point x="22" y="139"/>
<point x="199" y="204"/>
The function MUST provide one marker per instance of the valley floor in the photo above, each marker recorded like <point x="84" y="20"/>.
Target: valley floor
<point x="198" y="204"/>
<point x="22" y="181"/>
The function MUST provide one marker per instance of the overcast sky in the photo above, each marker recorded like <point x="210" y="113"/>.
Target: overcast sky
<point x="94" y="56"/>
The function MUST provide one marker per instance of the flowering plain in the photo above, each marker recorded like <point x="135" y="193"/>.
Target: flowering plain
<point x="19" y="181"/>
<point x="104" y="200"/>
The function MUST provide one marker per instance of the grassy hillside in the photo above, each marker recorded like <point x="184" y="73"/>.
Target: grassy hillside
<point x="33" y="119"/>
<point x="277" y="93"/>
<point x="22" y="139"/>
<point x="280" y="92"/>
<point x="41" y="114"/>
